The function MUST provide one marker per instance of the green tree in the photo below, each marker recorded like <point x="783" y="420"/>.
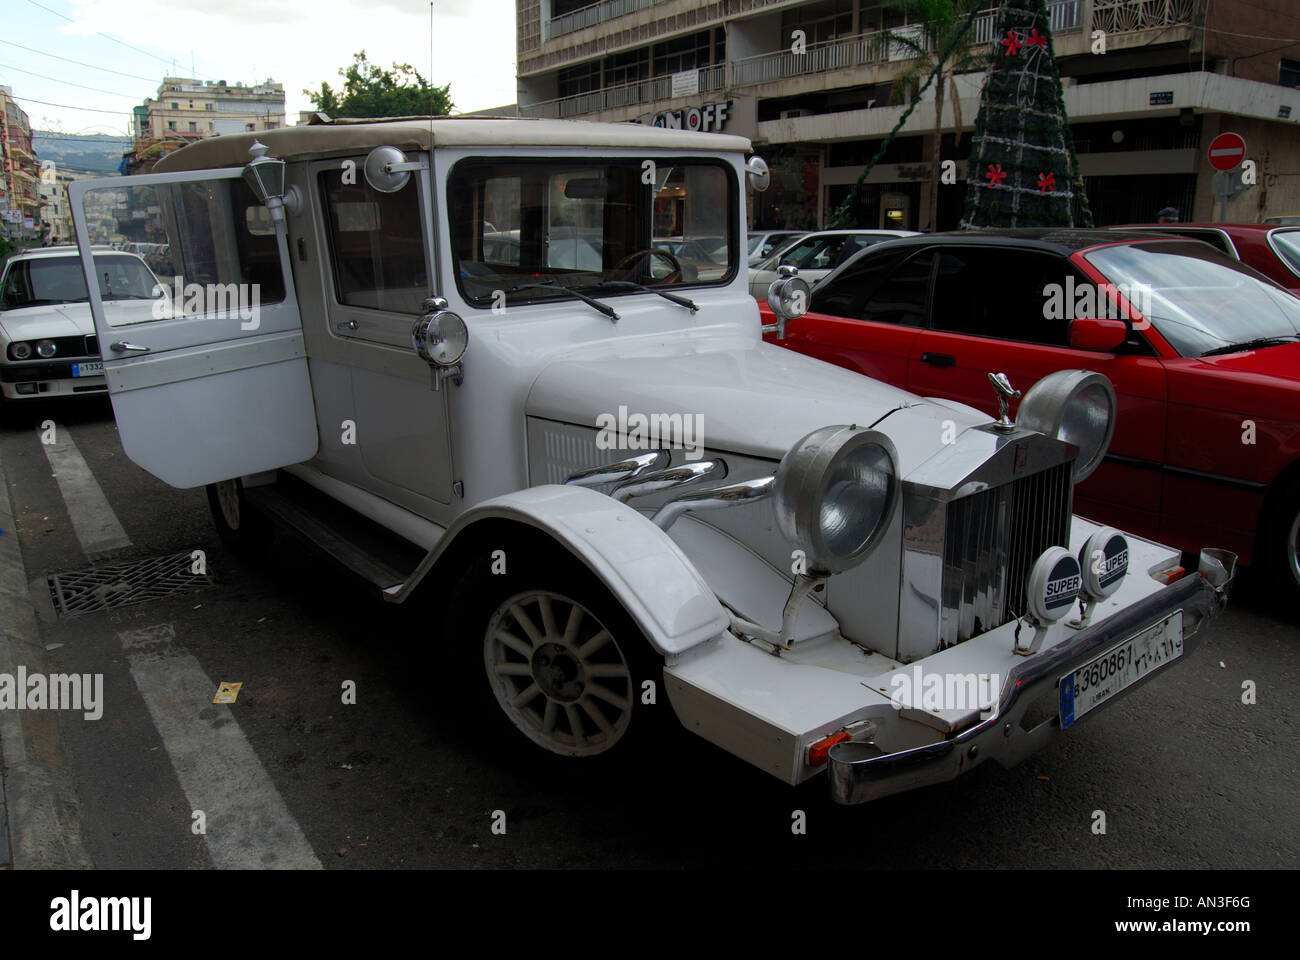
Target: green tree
<point x="371" y="91"/>
<point x="939" y="39"/>
<point x="1023" y="172"/>
<point x="940" y="47"/>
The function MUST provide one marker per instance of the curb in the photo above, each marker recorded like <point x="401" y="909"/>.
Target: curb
<point x="40" y="822"/>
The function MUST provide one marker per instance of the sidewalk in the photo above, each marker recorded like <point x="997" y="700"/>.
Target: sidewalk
<point x="40" y="821"/>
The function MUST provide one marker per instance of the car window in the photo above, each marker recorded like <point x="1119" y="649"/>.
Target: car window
<point x="580" y="223"/>
<point x="376" y="244"/>
<point x="1214" y="238"/>
<point x="1004" y="294"/>
<point x="901" y="296"/>
<point x="1286" y="243"/>
<point x="845" y="293"/>
<point x="46" y="280"/>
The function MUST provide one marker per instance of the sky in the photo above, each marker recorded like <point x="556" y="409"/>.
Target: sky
<point x="299" y="43"/>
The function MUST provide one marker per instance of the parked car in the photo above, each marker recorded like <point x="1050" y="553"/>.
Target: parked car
<point x="1273" y="251"/>
<point x="48" y="346"/>
<point x="625" y="504"/>
<point x="815" y="255"/>
<point x="1207" y="445"/>
<point x="764" y="243"/>
<point x="1285" y="220"/>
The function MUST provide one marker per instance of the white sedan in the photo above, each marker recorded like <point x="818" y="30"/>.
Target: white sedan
<point x="48" y="346"/>
<point x="816" y="254"/>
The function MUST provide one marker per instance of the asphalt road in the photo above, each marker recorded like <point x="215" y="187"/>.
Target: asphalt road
<point x="1186" y="774"/>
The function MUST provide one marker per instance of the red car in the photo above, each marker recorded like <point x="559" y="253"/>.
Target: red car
<point x="1272" y="250"/>
<point x="1203" y="351"/>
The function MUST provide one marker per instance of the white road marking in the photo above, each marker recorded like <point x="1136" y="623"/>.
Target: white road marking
<point x="96" y="525"/>
<point x="248" y="824"/>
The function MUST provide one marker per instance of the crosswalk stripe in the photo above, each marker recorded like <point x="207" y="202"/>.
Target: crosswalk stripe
<point x="93" y="520"/>
<point x="248" y="824"/>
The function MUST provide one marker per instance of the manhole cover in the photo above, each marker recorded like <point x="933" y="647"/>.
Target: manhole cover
<point x="119" y="584"/>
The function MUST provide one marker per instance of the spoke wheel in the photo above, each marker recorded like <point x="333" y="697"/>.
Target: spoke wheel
<point x="558" y="673"/>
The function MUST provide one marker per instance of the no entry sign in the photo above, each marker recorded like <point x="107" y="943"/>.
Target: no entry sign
<point x="1227" y="150"/>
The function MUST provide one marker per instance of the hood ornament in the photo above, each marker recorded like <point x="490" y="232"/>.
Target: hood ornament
<point x="1002" y="387"/>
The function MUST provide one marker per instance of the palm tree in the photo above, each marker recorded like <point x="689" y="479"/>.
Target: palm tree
<point x="940" y="41"/>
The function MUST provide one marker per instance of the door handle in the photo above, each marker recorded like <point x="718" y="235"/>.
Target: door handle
<point x="938" y="360"/>
<point x="121" y="346"/>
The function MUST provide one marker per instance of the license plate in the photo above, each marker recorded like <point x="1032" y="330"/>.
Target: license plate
<point x="1121" y="666"/>
<point x="93" y="368"/>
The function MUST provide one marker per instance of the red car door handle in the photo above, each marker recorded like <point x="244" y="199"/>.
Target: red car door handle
<point x="938" y="360"/>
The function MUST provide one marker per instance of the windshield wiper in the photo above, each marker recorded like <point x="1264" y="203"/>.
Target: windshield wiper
<point x="690" y="305"/>
<point x="1250" y="345"/>
<point x="604" y="308"/>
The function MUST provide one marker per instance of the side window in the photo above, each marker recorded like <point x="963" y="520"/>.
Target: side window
<point x="376" y="245"/>
<point x="1004" y="294"/>
<point x="903" y="296"/>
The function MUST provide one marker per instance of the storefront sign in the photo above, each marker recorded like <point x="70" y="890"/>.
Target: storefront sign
<point x="710" y="117"/>
<point x="686" y="83"/>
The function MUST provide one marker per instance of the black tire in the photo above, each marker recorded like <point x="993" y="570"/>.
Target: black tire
<point x="244" y="529"/>
<point x="1277" y="553"/>
<point x="588" y="700"/>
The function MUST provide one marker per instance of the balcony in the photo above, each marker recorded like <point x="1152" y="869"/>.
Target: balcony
<point x="622" y="95"/>
<point x="1066" y="17"/>
<point x="596" y="13"/>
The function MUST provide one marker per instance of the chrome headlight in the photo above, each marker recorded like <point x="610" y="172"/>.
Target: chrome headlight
<point x="21" y="351"/>
<point x="1077" y="406"/>
<point x="835" y="492"/>
<point x="45" y="348"/>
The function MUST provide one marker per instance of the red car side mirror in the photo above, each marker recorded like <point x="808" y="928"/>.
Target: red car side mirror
<point x="1096" y="334"/>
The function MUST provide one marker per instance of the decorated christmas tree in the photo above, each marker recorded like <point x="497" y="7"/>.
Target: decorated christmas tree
<point x="1023" y="172"/>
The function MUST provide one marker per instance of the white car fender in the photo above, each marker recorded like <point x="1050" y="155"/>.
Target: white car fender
<point x="641" y="566"/>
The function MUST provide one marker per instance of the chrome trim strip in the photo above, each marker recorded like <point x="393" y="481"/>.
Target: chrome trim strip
<point x="660" y="480"/>
<point x="737" y="494"/>
<point x="858" y="772"/>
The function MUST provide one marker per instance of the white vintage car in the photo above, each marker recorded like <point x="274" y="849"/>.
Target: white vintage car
<point x="47" y="339"/>
<point x="612" y="486"/>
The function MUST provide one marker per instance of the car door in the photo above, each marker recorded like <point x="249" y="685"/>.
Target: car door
<point x="866" y="316"/>
<point x="209" y="380"/>
<point x="993" y="310"/>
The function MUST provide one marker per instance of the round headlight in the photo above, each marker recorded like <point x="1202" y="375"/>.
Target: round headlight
<point x="21" y="351"/>
<point x="789" y="295"/>
<point x="440" y="338"/>
<point x="1077" y="406"/>
<point x="835" y="493"/>
<point x="45" y="348"/>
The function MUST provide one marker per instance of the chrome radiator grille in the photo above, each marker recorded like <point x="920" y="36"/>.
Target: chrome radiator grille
<point x="993" y="538"/>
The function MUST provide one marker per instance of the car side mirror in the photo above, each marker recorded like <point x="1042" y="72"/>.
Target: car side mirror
<point x="1097" y="334"/>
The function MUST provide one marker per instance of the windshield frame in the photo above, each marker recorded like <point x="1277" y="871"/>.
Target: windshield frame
<point x="1097" y="257"/>
<point x="588" y="280"/>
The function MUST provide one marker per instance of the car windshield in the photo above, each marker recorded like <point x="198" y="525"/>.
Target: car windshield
<point x="822" y="253"/>
<point x="1200" y="300"/>
<point x="45" y="280"/>
<point x="586" y="224"/>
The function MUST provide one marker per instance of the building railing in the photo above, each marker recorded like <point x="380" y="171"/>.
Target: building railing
<point x="1065" y="16"/>
<point x="622" y="95"/>
<point x="593" y="14"/>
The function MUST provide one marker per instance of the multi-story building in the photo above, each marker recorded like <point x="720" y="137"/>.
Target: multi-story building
<point x="185" y="110"/>
<point x="1148" y="84"/>
<point x="19" y="195"/>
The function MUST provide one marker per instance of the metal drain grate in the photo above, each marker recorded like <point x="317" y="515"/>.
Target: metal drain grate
<point x="119" y="584"/>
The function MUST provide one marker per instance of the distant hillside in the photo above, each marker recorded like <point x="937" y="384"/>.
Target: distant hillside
<point x="92" y="153"/>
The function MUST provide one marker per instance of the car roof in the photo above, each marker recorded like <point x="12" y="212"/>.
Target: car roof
<point x="1059" y="240"/>
<point x="349" y="137"/>
<point x="1228" y="228"/>
<point x="40" y="253"/>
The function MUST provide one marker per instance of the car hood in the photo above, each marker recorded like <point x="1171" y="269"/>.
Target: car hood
<point x="1280" y="361"/>
<point x="757" y="400"/>
<point x="72" y="319"/>
<point x="48" y="321"/>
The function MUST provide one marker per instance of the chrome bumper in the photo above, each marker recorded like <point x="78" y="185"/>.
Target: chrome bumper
<point x="858" y="772"/>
